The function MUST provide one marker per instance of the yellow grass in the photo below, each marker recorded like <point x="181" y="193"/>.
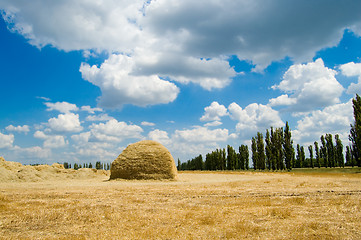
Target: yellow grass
<point x="197" y="206"/>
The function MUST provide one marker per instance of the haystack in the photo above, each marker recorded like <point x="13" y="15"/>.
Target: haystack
<point x="144" y="160"/>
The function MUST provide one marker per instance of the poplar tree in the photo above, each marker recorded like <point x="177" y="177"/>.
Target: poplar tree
<point x="323" y="152"/>
<point x="268" y="150"/>
<point x="310" y="149"/>
<point x="289" y="151"/>
<point x="339" y="152"/>
<point x="317" y="152"/>
<point x="302" y="157"/>
<point x="243" y="157"/>
<point x="355" y="131"/>
<point x="330" y="150"/>
<point x="254" y="153"/>
<point x="297" y="163"/>
<point x="260" y="151"/>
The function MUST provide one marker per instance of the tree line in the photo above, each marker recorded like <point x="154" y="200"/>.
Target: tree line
<point x="98" y="165"/>
<point x="276" y="151"/>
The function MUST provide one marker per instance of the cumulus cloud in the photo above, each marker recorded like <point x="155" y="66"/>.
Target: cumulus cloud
<point x="308" y="87"/>
<point x="214" y="112"/>
<point x="255" y="117"/>
<point x="159" y="136"/>
<point x="77" y="25"/>
<point x="201" y="135"/>
<point x="51" y="141"/>
<point x="149" y="124"/>
<point x="35" y="153"/>
<point x="186" y="41"/>
<point x="119" y="86"/>
<point x="208" y="73"/>
<point x="334" y="119"/>
<point x="6" y="141"/>
<point x="100" y="117"/>
<point x="68" y="122"/>
<point x="114" y="131"/>
<point x="352" y="69"/>
<point x="21" y="129"/>
<point x="255" y="30"/>
<point x="63" y="107"/>
<point x="90" y="109"/>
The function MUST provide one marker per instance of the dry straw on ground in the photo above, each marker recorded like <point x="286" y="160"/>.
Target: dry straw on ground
<point x="199" y="205"/>
<point x="144" y="160"/>
<point x="16" y="172"/>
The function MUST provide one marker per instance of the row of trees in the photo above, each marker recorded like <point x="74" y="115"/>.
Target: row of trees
<point x="275" y="151"/>
<point x="220" y="159"/>
<point x="278" y="152"/>
<point x="98" y="165"/>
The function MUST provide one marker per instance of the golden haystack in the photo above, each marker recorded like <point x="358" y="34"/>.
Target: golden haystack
<point x="144" y="160"/>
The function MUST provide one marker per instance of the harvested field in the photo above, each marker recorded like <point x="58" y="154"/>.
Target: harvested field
<point x="212" y="205"/>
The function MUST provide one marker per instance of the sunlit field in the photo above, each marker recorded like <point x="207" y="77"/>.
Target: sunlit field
<point x="199" y="205"/>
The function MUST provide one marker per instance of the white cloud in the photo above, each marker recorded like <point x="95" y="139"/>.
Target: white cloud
<point x="176" y="35"/>
<point x="114" y="131"/>
<point x="201" y="135"/>
<point x="255" y="30"/>
<point x="255" y="117"/>
<point x="68" y="122"/>
<point x="32" y="152"/>
<point x="352" y="69"/>
<point x="21" y="129"/>
<point x="51" y="141"/>
<point x="63" y="107"/>
<point x="308" y="87"/>
<point x="149" y="124"/>
<point x="100" y="117"/>
<point x="214" y="112"/>
<point x="76" y="25"/>
<point x="334" y="119"/>
<point x="119" y="86"/>
<point x="210" y="74"/>
<point x="159" y="136"/>
<point x="90" y="109"/>
<point x="82" y="138"/>
<point x="213" y="124"/>
<point x="6" y="141"/>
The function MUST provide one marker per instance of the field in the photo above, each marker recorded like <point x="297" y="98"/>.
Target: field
<point x="199" y="205"/>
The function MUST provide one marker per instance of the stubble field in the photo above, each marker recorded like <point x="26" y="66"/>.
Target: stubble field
<point x="199" y="205"/>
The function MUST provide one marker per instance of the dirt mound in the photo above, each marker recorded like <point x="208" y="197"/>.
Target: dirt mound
<point x="144" y="160"/>
<point x="16" y="172"/>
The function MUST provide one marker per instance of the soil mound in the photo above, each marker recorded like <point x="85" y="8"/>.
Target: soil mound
<point x="144" y="160"/>
<point x="16" y="172"/>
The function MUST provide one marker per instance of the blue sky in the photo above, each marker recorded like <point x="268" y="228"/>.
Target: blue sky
<point x="80" y="81"/>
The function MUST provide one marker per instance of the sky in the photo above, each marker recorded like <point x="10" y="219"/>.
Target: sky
<point x="81" y="80"/>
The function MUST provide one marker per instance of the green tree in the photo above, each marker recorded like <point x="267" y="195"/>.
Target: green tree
<point x="355" y="131"/>
<point x="254" y="153"/>
<point x="330" y="150"/>
<point x="268" y="150"/>
<point x="339" y="152"/>
<point x="317" y="152"/>
<point x="289" y="151"/>
<point x="98" y="165"/>
<point x="310" y="149"/>
<point x="302" y="157"/>
<point x="323" y="151"/>
<point x="66" y="165"/>
<point x="349" y="157"/>
<point x="179" y="165"/>
<point x="261" y="152"/>
<point x="244" y="157"/>
<point x="231" y="158"/>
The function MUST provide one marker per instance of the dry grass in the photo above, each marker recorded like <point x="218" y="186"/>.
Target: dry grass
<point x="197" y="206"/>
